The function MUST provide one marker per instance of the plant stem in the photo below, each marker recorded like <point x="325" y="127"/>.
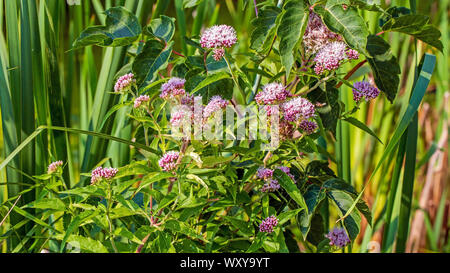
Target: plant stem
<point x="234" y="78"/>
<point x="108" y="208"/>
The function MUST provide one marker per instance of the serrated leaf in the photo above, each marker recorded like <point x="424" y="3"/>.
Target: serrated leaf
<point x="264" y="29"/>
<point x="122" y="28"/>
<point x="290" y="30"/>
<point x="370" y="5"/>
<point x="163" y="28"/>
<point x="210" y="79"/>
<point x="153" y="58"/>
<point x="417" y="26"/>
<point x="213" y="87"/>
<point x="343" y="202"/>
<point x="48" y="203"/>
<point x="286" y="216"/>
<point x="313" y="196"/>
<point x="346" y="22"/>
<point x="384" y="65"/>
<point x="85" y="244"/>
<point x="289" y="186"/>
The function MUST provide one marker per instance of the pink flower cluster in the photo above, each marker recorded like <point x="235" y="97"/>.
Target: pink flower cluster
<point x="168" y="162"/>
<point x="267" y="175"/>
<point x="331" y="56"/>
<point x="141" y="100"/>
<point x="272" y="186"/>
<point x="181" y="115"/>
<point x="272" y="93"/>
<point x="124" y="83"/>
<point x="317" y="35"/>
<point x="218" y="37"/>
<point x="308" y="127"/>
<point x="338" y="237"/>
<point x="298" y="109"/>
<point x="364" y="90"/>
<point x="264" y="173"/>
<point x="268" y="224"/>
<point x="215" y="104"/>
<point x="218" y="54"/>
<point x="102" y="173"/>
<point x="173" y="88"/>
<point x="52" y="168"/>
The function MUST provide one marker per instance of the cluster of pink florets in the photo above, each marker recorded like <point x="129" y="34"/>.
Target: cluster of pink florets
<point x="330" y="49"/>
<point x="317" y="35"/>
<point x="264" y="173"/>
<point x="182" y="114"/>
<point x="101" y="173"/>
<point x="338" y="237"/>
<point x="218" y="38"/>
<point x="138" y="102"/>
<point x="52" y="168"/>
<point x="364" y="90"/>
<point x="308" y="127"/>
<point x="124" y="83"/>
<point x="271" y="184"/>
<point x="215" y="104"/>
<point x="298" y="109"/>
<point x="268" y="224"/>
<point x="272" y="93"/>
<point x="173" y="89"/>
<point x="169" y="161"/>
<point x="332" y="55"/>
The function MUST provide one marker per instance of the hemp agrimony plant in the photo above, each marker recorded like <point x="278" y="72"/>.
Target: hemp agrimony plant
<point x="199" y="191"/>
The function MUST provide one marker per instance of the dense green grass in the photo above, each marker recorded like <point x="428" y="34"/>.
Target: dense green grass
<point x="44" y="83"/>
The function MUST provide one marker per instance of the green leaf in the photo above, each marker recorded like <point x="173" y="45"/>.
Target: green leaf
<point x="339" y="184"/>
<point x="90" y="190"/>
<point x="222" y="87"/>
<point x="75" y="223"/>
<point x="163" y="28"/>
<point x="177" y="226"/>
<point x="346" y="22"/>
<point x="363" y="127"/>
<point x="417" y="26"/>
<point x="292" y="25"/>
<point x="48" y="203"/>
<point x="153" y="58"/>
<point x="264" y="29"/>
<point x="241" y="225"/>
<point x="257" y="242"/>
<point x="287" y="184"/>
<point x="122" y="29"/>
<point x="286" y="216"/>
<point x="384" y="65"/>
<point x="343" y="202"/>
<point x="330" y="113"/>
<point x="85" y="244"/>
<point x="191" y="3"/>
<point x="210" y="79"/>
<point x="313" y="196"/>
<point x="370" y="5"/>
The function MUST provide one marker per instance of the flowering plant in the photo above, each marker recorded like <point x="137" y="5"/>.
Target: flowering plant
<point x="190" y="186"/>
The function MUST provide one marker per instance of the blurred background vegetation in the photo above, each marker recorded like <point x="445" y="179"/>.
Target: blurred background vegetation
<point x="43" y="82"/>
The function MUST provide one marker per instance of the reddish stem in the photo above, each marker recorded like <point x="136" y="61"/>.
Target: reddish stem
<point x="178" y="53"/>
<point x="349" y="74"/>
